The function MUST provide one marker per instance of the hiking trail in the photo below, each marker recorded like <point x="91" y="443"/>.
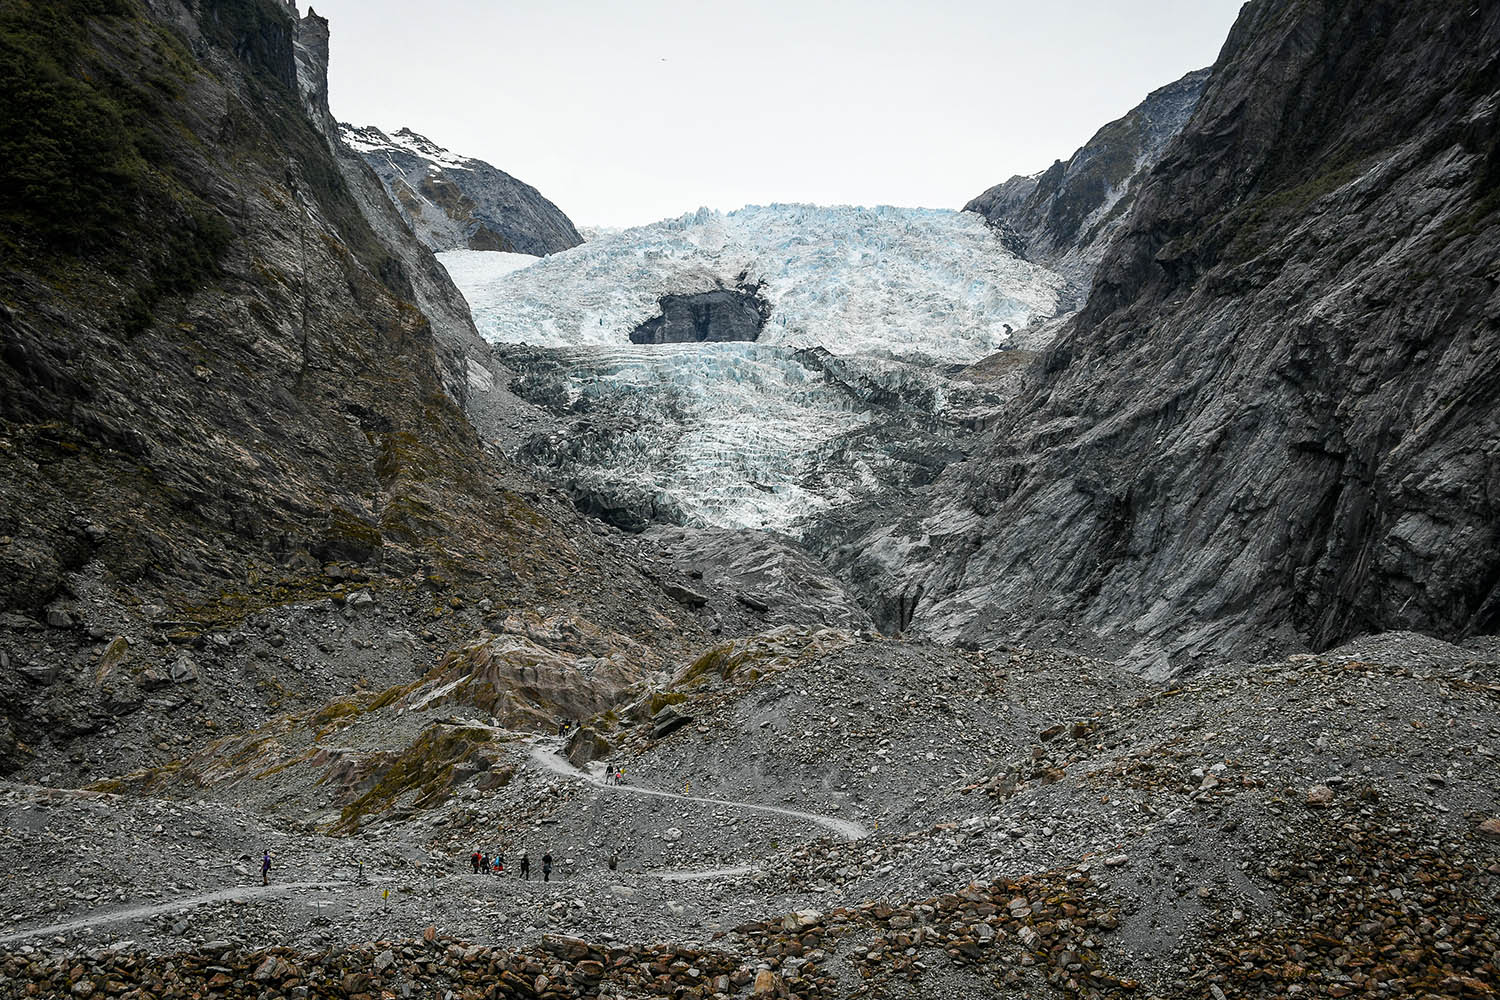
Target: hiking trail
<point x="543" y="752"/>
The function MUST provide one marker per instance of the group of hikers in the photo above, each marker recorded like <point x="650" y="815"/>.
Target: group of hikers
<point x="487" y="864"/>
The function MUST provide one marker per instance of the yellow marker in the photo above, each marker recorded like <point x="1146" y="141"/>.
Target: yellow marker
<point x="386" y="895"/>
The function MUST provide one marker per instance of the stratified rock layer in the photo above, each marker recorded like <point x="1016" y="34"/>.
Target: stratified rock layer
<point x="1276" y="420"/>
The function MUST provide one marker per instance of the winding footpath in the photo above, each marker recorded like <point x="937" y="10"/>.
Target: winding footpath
<point x="543" y="754"/>
<point x="170" y="906"/>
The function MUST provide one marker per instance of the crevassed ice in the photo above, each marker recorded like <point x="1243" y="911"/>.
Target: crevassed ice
<point x="745" y="435"/>
<point x="906" y="282"/>
<point x="730" y="432"/>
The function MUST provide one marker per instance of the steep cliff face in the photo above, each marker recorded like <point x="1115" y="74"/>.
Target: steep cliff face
<point x="456" y="202"/>
<point x="223" y="391"/>
<point x="471" y="375"/>
<point x="1066" y="216"/>
<point x="1275" y="421"/>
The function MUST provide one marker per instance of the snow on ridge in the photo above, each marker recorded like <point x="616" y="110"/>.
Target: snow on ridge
<point x="370" y="139"/>
<point x="891" y="281"/>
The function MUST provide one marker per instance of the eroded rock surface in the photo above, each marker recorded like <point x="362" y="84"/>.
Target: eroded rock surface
<point x="1067" y="216"/>
<point x="1274" y="422"/>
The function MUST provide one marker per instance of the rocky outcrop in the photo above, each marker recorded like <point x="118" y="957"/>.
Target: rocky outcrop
<point x="705" y="317"/>
<point x="1066" y="216"/>
<point x="1275" y="421"/>
<point x="456" y="202"/>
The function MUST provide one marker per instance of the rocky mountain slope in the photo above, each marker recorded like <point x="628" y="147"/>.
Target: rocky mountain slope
<point x="1274" y="421"/>
<point x="456" y="202"/>
<point x="1067" y="216"/>
<point x="231" y="386"/>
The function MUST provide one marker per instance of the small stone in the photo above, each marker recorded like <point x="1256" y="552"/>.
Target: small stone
<point x="1319" y="796"/>
<point x="765" y="983"/>
<point x="1490" y="827"/>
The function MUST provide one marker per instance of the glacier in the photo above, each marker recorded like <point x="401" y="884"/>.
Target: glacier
<point x="848" y="387"/>
<point x="904" y="282"/>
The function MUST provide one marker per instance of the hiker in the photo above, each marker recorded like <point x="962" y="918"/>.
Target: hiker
<point x="265" y="869"/>
<point x="525" y="865"/>
<point x="562" y="727"/>
<point x="500" y="864"/>
<point x="620" y="776"/>
<point x="474" y="860"/>
<point x="547" y="867"/>
<point x="484" y="863"/>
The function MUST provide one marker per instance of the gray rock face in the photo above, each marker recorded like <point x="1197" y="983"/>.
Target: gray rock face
<point x="1067" y="216"/>
<point x="471" y="375"/>
<point x="716" y="316"/>
<point x="454" y="202"/>
<point x="768" y="574"/>
<point x="1275" y="421"/>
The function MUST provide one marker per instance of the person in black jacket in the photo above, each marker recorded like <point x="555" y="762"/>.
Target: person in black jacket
<point x="547" y="867"/>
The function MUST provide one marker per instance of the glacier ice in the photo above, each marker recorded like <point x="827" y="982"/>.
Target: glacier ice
<point x="868" y="307"/>
<point x="905" y="282"/>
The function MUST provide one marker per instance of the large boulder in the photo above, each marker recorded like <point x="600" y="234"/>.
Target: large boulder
<point x="586" y="744"/>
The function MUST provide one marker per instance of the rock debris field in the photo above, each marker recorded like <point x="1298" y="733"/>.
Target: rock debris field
<point x="815" y="813"/>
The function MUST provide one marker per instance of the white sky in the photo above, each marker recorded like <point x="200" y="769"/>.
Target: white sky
<point x="627" y="112"/>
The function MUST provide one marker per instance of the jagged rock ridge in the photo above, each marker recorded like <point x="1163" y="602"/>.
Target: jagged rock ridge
<point x="1275" y="421"/>
<point x="456" y="202"/>
<point x="1066" y="216"/>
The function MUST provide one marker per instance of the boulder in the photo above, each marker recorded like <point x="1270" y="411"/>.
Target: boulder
<point x="668" y="721"/>
<point x="685" y="596"/>
<point x="586" y="744"/>
<point x="184" y="670"/>
<point x="1319" y="796"/>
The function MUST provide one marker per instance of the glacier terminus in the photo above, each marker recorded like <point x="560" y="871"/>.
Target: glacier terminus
<point x="871" y="316"/>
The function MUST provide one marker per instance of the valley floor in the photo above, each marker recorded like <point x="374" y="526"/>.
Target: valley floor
<point x="852" y="817"/>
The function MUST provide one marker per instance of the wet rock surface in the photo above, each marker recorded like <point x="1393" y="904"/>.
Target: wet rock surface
<point x="705" y="317"/>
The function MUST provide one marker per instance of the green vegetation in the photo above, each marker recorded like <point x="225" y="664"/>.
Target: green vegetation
<point x="425" y="768"/>
<point x="73" y="151"/>
<point x="87" y="139"/>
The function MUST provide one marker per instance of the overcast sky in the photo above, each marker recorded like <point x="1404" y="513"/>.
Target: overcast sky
<point x="627" y="112"/>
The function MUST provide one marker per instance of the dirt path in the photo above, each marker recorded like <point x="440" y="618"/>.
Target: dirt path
<point x="169" y="906"/>
<point x="544" y="754"/>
